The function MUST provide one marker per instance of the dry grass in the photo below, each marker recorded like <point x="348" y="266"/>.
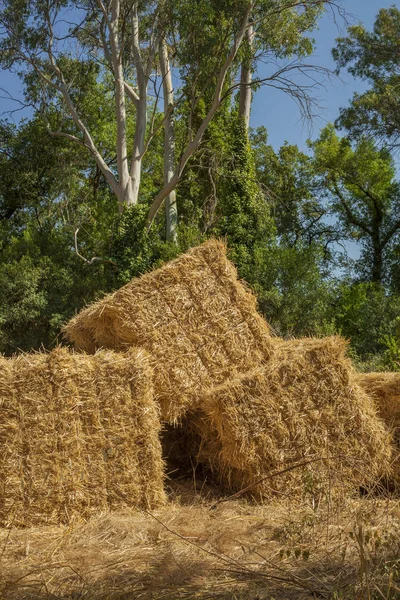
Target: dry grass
<point x="194" y="317"/>
<point x="304" y="407"/>
<point x="78" y="434"/>
<point x="194" y="548"/>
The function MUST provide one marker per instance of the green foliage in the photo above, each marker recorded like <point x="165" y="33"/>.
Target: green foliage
<point x="283" y="29"/>
<point x="46" y="193"/>
<point x="373" y="56"/>
<point x="135" y="249"/>
<point x="391" y="355"/>
<point x="362" y="193"/>
<point x="288" y="180"/>
<point x="293" y="292"/>
<point x="42" y="283"/>
<point x="242" y="216"/>
<point x="365" y="314"/>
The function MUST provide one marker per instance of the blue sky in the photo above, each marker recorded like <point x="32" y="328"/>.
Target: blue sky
<point x="280" y="115"/>
<point x="272" y="108"/>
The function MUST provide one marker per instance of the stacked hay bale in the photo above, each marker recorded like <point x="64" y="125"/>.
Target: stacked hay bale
<point x="302" y="408"/>
<point x="78" y="434"/>
<point x="194" y="317"/>
<point x="384" y="388"/>
<point x="256" y="405"/>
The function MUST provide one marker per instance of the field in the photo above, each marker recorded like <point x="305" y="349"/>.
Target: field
<point x="282" y="481"/>
<point x="205" y="545"/>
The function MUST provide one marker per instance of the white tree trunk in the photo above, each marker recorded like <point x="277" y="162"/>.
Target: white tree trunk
<point x="246" y="77"/>
<point x="126" y="196"/>
<point x="141" y="108"/>
<point x="171" y="211"/>
<point x="216" y="103"/>
<point x="138" y="145"/>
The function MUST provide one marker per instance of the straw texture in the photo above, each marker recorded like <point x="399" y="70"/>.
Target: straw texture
<point x="303" y="406"/>
<point x="384" y="388"/>
<point x="78" y="434"/>
<point x="198" y="322"/>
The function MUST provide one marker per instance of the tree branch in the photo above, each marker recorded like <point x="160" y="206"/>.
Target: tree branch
<point x="389" y="234"/>
<point x="159" y="199"/>
<point x="92" y="260"/>
<point x="350" y="215"/>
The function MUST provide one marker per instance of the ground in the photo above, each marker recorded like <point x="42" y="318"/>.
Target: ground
<point x="203" y="545"/>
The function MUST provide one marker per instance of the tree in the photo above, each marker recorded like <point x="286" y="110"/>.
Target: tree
<point x="242" y="215"/>
<point x="171" y="213"/>
<point x="289" y="182"/>
<point x="124" y="44"/>
<point x="368" y="316"/>
<point x="282" y="35"/>
<point x="374" y="57"/>
<point x="47" y="191"/>
<point x="360" y="186"/>
<point x="34" y="40"/>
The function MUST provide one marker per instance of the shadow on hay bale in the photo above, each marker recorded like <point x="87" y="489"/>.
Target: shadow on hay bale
<point x="303" y="407"/>
<point x="384" y="388"/>
<point x="79" y="434"/>
<point x="198" y="322"/>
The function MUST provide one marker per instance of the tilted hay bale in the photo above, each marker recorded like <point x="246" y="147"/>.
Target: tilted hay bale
<point x="303" y="406"/>
<point x="194" y="317"/>
<point x="384" y="388"/>
<point x="79" y="435"/>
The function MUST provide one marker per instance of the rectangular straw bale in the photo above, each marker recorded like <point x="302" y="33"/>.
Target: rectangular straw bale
<point x="198" y="322"/>
<point x="303" y="406"/>
<point x="79" y="435"/>
<point x="384" y="388"/>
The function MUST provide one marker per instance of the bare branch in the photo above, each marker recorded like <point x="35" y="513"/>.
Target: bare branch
<point x="95" y="258"/>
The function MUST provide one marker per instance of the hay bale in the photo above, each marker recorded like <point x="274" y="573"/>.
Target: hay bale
<point x="194" y="317"/>
<point x="303" y="406"/>
<point x="384" y="388"/>
<point x="79" y="435"/>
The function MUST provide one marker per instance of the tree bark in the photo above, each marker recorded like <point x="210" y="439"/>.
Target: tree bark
<point x="126" y="196"/>
<point x="216" y="103"/>
<point x="171" y="211"/>
<point x="377" y="264"/>
<point x="138" y="145"/>
<point x="141" y="108"/>
<point x="246" y="77"/>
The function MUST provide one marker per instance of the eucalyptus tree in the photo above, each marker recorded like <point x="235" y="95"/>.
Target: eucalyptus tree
<point x="275" y="37"/>
<point x="64" y="49"/>
<point x="282" y="38"/>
